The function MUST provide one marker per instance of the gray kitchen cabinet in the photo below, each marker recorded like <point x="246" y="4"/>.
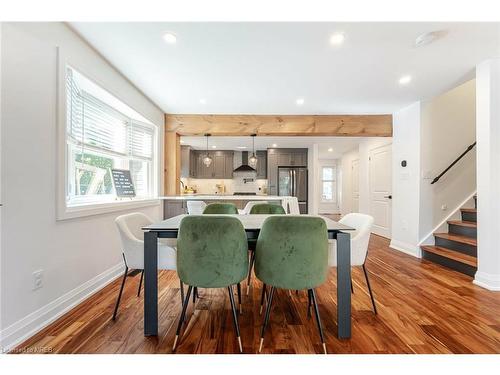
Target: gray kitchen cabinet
<point x="261" y="165"/>
<point x="221" y="167"/>
<point x="282" y="157"/>
<point x="173" y="208"/>
<point x="186" y="161"/>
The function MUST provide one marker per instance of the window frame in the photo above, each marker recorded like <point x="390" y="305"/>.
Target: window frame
<point x="334" y="199"/>
<point x="94" y="207"/>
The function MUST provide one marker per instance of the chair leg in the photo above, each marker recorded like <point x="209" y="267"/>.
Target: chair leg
<point x="120" y="294"/>
<point x="183" y="314"/>
<point x="238" y="286"/>
<point x="195" y="294"/>
<point x="309" y="300"/>
<point x="252" y="261"/>
<point x="352" y="287"/>
<point x="318" y="320"/>
<point x="235" y="316"/>
<point x="181" y="287"/>
<point x="370" y="290"/>
<point x="266" y="319"/>
<point x="140" y="284"/>
<point x="262" y="298"/>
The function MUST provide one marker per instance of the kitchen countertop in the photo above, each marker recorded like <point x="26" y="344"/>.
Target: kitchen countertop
<point x="224" y="197"/>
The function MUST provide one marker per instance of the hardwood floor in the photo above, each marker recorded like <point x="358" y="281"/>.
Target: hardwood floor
<point x="422" y="308"/>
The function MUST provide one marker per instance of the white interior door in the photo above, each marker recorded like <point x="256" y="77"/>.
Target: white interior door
<point x="355" y="185"/>
<point x="381" y="190"/>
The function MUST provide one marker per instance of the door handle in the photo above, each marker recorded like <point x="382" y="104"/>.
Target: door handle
<point x="388" y="196"/>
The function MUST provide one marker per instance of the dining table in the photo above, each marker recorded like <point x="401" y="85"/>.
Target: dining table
<point x="169" y="228"/>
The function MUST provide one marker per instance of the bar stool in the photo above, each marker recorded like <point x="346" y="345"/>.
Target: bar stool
<point x="260" y="209"/>
<point x="292" y="253"/>
<point x="211" y="253"/>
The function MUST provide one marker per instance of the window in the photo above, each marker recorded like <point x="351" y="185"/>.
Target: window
<point x="329" y="184"/>
<point x="103" y="133"/>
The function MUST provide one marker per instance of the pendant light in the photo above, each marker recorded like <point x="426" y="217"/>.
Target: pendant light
<point x="252" y="160"/>
<point x="207" y="160"/>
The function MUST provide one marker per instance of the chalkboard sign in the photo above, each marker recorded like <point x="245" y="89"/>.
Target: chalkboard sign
<point x="122" y="181"/>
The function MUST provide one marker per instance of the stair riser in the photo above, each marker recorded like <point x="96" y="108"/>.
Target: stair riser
<point x="469" y="216"/>
<point x="464" y="231"/>
<point x="449" y="263"/>
<point x="457" y="246"/>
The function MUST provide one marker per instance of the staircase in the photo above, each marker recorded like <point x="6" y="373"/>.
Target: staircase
<point x="456" y="249"/>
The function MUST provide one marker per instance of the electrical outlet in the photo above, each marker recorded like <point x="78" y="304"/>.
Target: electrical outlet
<point x="444" y="207"/>
<point x="37" y="279"/>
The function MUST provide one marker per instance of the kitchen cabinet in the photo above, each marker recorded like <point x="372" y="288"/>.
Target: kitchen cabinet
<point x="221" y="167"/>
<point x="261" y="165"/>
<point x="282" y="157"/>
<point x="173" y="208"/>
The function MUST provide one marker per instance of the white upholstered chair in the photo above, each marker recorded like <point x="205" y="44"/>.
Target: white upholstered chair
<point x="132" y="239"/>
<point x="359" y="245"/>
<point x="196" y="207"/>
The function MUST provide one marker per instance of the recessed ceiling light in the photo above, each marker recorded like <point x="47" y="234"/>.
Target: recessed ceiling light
<point x="241" y="147"/>
<point x="300" y="101"/>
<point x="274" y="145"/>
<point x="203" y="101"/>
<point x="330" y="149"/>
<point x="214" y="146"/>
<point x="404" y="80"/>
<point x="169" y="38"/>
<point x="337" y="39"/>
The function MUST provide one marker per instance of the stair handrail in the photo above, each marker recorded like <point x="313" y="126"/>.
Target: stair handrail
<point x="436" y="179"/>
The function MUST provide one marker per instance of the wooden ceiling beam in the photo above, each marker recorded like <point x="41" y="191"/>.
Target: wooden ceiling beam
<point x="281" y="125"/>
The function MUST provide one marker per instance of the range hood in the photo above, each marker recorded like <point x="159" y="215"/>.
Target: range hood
<point x="244" y="167"/>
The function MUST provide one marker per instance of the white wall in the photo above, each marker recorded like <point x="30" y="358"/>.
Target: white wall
<point x="488" y="174"/>
<point x="312" y="179"/>
<point x="448" y="126"/>
<point x="406" y="181"/>
<point x="78" y="255"/>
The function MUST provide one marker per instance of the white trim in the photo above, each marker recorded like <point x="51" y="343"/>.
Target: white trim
<point x="487" y="281"/>
<point x="430" y="235"/>
<point x="28" y="326"/>
<point x="103" y="208"/>
<point x="406" y="248"/>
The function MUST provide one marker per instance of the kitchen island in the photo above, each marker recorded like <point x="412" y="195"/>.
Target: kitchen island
<point x="174" y="205"/>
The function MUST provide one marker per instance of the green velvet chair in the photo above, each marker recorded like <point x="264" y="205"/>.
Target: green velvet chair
<point x="211" y="253"/>
<point x="292" y="253"/>
<point x="220" y="209"/>
<point x="267" y="209"/>
<point x="260" y="209"/>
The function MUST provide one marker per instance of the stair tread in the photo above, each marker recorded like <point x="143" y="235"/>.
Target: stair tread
<point x="452" y="254"/>
<point x="462" y="223"/>
<point x="457" y="238"/>
<point x="468" y="210"/>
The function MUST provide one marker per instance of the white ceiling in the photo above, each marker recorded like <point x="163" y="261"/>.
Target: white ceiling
<point x="262" y="68"/>
<point x="339" y="145"/>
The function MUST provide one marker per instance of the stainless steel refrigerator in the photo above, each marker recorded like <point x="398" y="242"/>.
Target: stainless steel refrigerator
<point x="292" y="181"/>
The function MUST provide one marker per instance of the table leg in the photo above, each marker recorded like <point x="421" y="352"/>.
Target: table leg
<point x="150" y="283"/>
<point x="344" y="285"/>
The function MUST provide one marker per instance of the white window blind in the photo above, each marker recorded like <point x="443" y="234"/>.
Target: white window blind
<point x="97" y="125"/>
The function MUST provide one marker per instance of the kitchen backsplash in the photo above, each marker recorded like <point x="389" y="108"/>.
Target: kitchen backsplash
<point x="237" y="184"/>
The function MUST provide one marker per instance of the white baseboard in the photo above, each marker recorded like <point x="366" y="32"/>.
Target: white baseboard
<point x="406" y="248"/>
<point x="28" y="326"/>
<point x="487" y="281"/>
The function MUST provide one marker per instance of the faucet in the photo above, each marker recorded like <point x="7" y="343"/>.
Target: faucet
<point x="183" y="186"/>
